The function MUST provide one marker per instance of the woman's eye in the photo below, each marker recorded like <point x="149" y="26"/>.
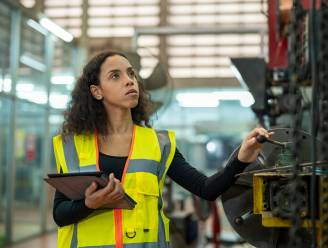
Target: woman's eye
<point x="131" y="73"/>
<point x="115" y="76"/>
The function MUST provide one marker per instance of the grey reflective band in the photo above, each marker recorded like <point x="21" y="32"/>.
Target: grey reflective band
<point x="165" y="145"/>
<point x="71" y="157"/>
<point x="137" y="245"/>
<point x="147" y="245"/>
<point x="101" y="246"/>
<point x="143" y="165"/>
<point x="161" y="232"/>
<point x="74" y="237"/>
<point x="53" y="165"/>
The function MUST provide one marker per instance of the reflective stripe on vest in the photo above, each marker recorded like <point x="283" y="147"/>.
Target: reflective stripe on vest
<point x="72" y="158"/>
<point x="143" y="245"/>
<point x="165" y="145"/>
<point x="152" y="154"/>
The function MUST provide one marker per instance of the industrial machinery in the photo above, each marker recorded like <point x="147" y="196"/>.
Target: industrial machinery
<point x="282" y="198"/>
<point x="262" y="202"/>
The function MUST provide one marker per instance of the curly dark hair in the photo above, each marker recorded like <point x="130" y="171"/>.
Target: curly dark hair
<point x="85" y="114"/>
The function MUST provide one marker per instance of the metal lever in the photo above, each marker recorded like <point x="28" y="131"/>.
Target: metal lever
<point x="241" y="219"/>
<point x="261" y="139"/>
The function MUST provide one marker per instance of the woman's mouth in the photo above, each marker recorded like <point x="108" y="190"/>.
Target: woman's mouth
<point x="132" y="92"/>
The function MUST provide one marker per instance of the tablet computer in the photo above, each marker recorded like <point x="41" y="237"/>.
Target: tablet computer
<point x="73" y="186"/>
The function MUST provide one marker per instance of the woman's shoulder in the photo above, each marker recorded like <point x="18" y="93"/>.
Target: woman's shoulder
<point x="66" y="136"/>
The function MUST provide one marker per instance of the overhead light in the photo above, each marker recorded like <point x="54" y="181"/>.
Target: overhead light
<point x="197" y="100"/>
<point x="39" y="97"/>
<point x="215" y="147"/>
<point x="24" y="87"/>
<point x="32" y="62"/>
<point x="246" y="99"/>
<point x="36" y="26"/>
<point x="5" y="84"/>
<point x="55" y="119"/>
<point x="212" y="99"/>
<point x="63" y="79"/>
<point x="58" y="101"/>
<point x="56" y="29"/>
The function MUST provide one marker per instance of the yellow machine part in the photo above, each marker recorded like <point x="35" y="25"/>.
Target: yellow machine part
<point x="268" y="220"/>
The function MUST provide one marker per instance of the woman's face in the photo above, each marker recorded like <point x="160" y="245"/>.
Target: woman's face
<point x="118" y="84"/>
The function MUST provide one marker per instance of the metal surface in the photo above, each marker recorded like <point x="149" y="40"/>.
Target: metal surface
<point x="251" y="73"/>
<point x="238" y="200"/>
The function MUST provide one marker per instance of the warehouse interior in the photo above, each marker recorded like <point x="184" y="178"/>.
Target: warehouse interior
<point x="215" y="69"/>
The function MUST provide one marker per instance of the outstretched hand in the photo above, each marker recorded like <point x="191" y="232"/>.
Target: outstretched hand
<point x="98" y="198"/>
<point x="250" y="148"/>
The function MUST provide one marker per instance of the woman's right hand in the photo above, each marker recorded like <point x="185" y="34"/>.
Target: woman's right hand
<point x="113" y="192"/>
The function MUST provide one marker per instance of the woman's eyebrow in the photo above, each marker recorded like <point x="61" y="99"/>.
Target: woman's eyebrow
<point x="113" y="70"/>
<point x="118" y="70"/>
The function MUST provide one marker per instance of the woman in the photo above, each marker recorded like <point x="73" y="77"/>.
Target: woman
<point x="107" y="128"/>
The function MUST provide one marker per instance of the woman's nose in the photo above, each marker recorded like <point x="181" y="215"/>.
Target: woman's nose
<point x="128" y="80"/>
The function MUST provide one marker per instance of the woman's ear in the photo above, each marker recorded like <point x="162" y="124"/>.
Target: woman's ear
<point x="96" y="92"/>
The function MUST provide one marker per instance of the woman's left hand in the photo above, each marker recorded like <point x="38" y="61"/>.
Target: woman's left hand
<point x="250" y="148"/>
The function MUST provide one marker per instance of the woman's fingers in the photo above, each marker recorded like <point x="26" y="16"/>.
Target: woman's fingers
<point x="250" y="148"/>
<point x="110" y="194"/>
<point x="258" y="131"/>
<point x="111" y="184"/>
<point x="91" y="189"/>
<point x="117" y="192"/>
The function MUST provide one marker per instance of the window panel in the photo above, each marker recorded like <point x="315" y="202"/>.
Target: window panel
<point x="148" y="40"/>
<point x="125" y="2"/>
<point x="245" y="19"/>
<point x="185" y="51"/>
<point x="188" y="55"/>
<point x="188" y="72"/>
<point x="223" y="8"/>
<point x="64" y="12"/>
<point x="123" y="11"/>
<point x="111" y="32"/>
<point x="199" y="61"/>
<point x="121" y="21"/>
<point x="211" y="1"/>
<point x="72" y="22"/>
<point x="75" y="31"/>
<point x="56" y="3"/>
<point x="148" y="51"/>
<point x="210" y="40"/>
<point x="149" y="62"/>
<point x="28" y="3"/>
<point x="145" y="72"/>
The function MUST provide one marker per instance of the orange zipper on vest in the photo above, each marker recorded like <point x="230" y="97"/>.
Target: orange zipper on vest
<point x="97" y="151"/>
<point x="118" y="212"/>
<point x="118" y="220"/>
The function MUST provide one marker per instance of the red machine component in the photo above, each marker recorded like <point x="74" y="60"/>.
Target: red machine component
<point x="278" y="19"/>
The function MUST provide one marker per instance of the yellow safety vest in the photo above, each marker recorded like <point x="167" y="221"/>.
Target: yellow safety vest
<point x="145" y="226"/>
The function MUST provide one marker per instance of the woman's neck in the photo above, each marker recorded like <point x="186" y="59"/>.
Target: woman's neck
<point x="120" y="122"/>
